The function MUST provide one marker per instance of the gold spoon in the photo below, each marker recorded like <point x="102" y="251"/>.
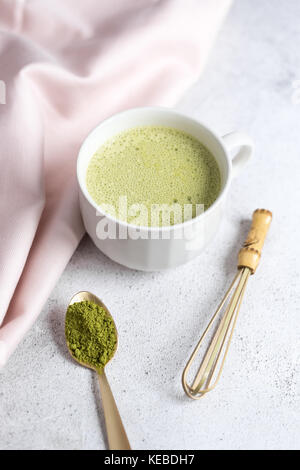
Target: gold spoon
<point x="117" y="438"/>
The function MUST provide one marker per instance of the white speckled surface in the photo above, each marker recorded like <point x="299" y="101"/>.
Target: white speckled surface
<point x="46" y="401"/>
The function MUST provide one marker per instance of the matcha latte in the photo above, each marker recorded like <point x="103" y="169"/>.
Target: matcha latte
<point x="152" y="166"/>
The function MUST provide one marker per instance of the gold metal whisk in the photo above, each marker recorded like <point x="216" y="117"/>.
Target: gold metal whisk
<point x="215" y="354"/>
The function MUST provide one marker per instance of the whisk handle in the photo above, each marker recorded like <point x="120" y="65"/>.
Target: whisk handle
<point x="249" y="255"/>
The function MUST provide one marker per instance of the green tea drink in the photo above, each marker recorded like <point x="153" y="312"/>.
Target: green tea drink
<point x="152" y="165"/>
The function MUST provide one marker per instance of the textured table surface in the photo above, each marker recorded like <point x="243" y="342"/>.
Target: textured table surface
<point x="48" y="402"/>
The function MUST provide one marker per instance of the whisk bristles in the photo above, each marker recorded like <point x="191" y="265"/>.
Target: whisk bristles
<point x="214" y="357"/>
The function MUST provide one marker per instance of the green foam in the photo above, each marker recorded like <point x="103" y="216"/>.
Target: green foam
<point x="153" y="165"/>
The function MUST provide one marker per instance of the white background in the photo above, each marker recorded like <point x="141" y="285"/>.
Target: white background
<point x="46" y="401"/>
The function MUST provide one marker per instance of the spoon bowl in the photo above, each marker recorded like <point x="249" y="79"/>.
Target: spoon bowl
<point x="117" y="438"/>
<point x="83" y="296"/>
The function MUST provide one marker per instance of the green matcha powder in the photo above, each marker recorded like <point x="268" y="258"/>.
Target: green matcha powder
<point x="90" y="333"/>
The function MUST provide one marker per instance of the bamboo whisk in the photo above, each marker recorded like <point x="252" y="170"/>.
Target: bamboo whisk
<point x="214" y="357"/>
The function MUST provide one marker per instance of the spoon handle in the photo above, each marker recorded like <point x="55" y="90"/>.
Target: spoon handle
<point x="117" y="438"/>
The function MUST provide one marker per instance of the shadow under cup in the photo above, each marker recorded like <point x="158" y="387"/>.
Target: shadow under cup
<point x="151" y="248"/>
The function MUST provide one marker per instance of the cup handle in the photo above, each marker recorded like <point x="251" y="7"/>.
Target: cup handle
<point x="238" y="139"/>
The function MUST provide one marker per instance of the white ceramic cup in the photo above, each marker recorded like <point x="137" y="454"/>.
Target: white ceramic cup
<point x="156" y="248"/>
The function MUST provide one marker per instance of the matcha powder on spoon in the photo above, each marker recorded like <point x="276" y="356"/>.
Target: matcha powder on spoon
<point x="90" y="333"/>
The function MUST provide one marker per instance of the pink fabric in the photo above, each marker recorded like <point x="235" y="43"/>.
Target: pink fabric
<point x="66" y="66"/>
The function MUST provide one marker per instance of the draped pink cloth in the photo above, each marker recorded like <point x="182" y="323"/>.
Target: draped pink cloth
<point x="65" y="65"/>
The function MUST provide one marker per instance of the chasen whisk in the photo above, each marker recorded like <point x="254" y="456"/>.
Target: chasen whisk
<point x="215" y="353"/>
